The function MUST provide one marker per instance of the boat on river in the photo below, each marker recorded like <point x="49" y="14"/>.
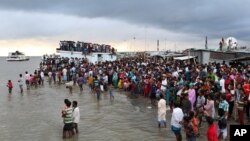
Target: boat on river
<point x="94" y="53"/>
<point x="17" y="56"/>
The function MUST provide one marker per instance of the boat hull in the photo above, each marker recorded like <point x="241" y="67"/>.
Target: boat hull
<point x="10" y="59"/>
<point x="92" y="57"/>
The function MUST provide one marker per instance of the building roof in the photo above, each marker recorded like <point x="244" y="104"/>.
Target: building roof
<point x="168" y="55"/>
<point x="184" y="58"/>
<point x="245" y="58"/>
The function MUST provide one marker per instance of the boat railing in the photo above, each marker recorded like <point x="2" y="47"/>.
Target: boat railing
<point x="84" y="47"/>
<point x="86" y="50"/>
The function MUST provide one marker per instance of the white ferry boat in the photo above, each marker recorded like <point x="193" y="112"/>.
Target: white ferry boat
<point x="17" y="56"/>
<point x="94" y="53"/>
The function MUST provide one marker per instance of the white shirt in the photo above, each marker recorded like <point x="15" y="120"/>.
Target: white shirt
<point x="164" y="84"/>
<point x="162" y="108"/>
<point x="222" y="84"/>
<point x="105" y="79"/>
<point x="100" y="71"/>
<point x="91" y="73"/>
<point x="177" y="117"/>
<point x="50" y="74"/>
<point x="42" y="74"/>
<point x="27" y="76"/>
<point x="179" y="91"/>
<point x="175" y="74"/>
<point x="76" y="115"/>
<point x="20" y="81"/>
<point x="64" y="71"/>
<point x="200" y="101"/>
<point x="73" y="69"/>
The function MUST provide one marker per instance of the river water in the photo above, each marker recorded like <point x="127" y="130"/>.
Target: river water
<point x="36" y="115"/>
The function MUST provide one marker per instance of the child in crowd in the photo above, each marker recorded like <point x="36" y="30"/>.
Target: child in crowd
<point x="222" y="124"/>
<point x="190" y="135"/>
<point x="195" y="122"/>
<point x="10" y="86"/>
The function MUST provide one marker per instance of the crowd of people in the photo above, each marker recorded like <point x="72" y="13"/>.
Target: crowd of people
<point x="217" y="92"/>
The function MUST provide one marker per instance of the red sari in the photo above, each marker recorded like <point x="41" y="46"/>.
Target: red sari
<point x="146" y="89"/>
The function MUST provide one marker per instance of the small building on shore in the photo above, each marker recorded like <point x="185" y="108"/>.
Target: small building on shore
<point x="205" y="56"/>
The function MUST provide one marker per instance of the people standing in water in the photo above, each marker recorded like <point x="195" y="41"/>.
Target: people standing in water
<point x="80" y="82"/>
<point x="20" y="82"/>
<point x="162" y="109"/>
<point x="111" y="94"/>
<point x="97" y="88"/>
<point x="67" y="120"/>
<point x="42" y="77"/>
<point x="76" y="117"/>
<point x="10" y="86"/>
<point x="50" y="77"/>
<point x="27" y="80"/>
<point x="176" y="121"/>
<point x="134" y="78"/>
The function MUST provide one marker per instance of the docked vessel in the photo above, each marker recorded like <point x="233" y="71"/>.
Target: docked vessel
<point x="94" y="53"/>
<point x="17" y="56"/>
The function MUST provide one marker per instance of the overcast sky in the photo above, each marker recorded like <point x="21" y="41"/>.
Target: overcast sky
<point x="36" y="26"/>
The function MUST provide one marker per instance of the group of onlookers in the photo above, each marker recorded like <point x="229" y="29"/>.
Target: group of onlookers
<point x="196" y="90"/>
<point x="85" y="47"/>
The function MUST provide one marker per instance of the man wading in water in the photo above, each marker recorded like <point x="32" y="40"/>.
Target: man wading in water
<point x="76" y="117"/>
<point x="20" y="82"/>
<point x="97" y="87"/>
<point x="162" y="109"/>
<point x="67" y="120"/>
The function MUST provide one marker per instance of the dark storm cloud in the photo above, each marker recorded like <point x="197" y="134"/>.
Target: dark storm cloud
<point x="214" y="18"/>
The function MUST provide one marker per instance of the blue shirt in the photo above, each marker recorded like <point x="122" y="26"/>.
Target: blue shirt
<point x="224" y="105"/>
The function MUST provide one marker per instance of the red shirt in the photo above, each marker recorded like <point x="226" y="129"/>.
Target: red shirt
<point x="212" y="133"/>
<point x="10" y="85"/>
<point x="158" y="85"/>
<point x="228" y="97"/>
<point x="121" y="75"/>
<point x="227" y="82"/>
<point x="246" y="88"/>
<point x="195" y="125"/>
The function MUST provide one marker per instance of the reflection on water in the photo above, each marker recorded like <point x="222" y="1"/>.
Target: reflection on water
<point x="9" y="97"/>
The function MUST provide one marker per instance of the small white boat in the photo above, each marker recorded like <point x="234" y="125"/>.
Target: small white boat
<point x="17" y="56"/>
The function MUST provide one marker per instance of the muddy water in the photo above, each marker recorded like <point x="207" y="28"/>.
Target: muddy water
<point x="36" y="115"/>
